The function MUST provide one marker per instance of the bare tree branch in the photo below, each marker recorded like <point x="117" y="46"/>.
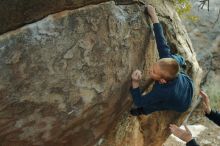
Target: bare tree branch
<point x="202" y="4"/>
<point x="216" y="19"/>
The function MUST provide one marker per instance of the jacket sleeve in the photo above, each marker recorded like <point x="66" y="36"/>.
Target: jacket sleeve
<point x="154" y="97"/>
<point x="192" y="143"/>
<point x="214" y="116"/>
<point x="144" y="100"/>
<point x="162" y="46"/>
<point x="180" y="60"/>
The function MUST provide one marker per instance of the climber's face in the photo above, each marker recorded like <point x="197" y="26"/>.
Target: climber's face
<point x="156" y="73"/>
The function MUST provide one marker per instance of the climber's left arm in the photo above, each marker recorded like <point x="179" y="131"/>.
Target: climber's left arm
<point x="162" y="46"/>
<point x="164" y="49"/>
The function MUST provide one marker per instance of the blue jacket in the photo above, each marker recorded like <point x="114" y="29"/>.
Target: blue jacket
<point x="175" y="95"/>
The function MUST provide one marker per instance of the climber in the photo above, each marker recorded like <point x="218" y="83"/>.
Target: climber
<point x="172" y="90"/>
<point x="186" y="135"/>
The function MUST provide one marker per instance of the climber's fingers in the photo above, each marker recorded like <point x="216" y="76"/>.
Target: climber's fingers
<point x="139" y="75"/>
<point x="136" y="75"/>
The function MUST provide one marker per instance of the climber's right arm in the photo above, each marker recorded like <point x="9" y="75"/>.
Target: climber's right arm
<point x="143" y="100"/>
<point x="163" y="48"/>
<point x="148" y="82"/>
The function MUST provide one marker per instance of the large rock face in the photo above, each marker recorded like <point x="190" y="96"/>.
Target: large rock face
<point x="15" y="13"/>
<point x="64" y="80"/>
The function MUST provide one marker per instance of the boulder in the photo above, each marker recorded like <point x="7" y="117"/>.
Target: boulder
<point x="64" y="80"/>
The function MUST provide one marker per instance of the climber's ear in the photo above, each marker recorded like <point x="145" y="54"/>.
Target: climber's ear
<point x="162" y="81"/>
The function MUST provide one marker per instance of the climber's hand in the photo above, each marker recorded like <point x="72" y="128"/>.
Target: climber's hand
<point x="151" y="11"/>
<point x="184" y="135"/>
<point x="136" y="77"/>
<point x="206" y="102"/>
